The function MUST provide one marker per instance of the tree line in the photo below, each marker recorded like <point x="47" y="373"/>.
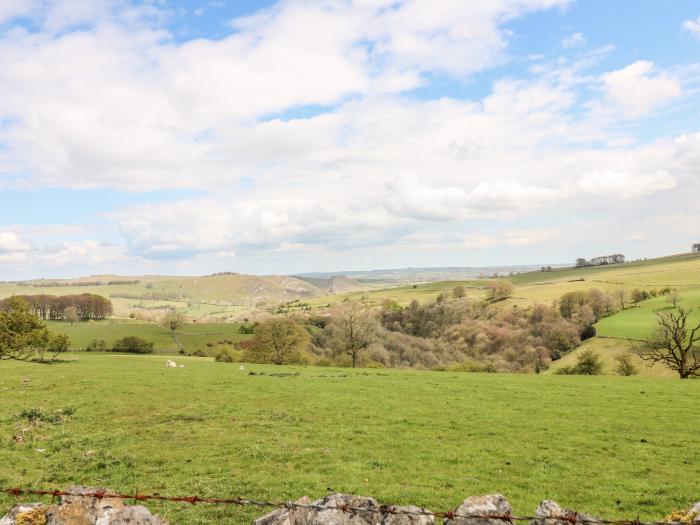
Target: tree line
<point x="83" y="307"/>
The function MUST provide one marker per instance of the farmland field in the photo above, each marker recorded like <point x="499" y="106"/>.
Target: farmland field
<point x="609" y="445"/>
<point x="193" y="336"/>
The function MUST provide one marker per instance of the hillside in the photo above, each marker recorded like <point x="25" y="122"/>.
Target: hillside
<point x="220" y="296"/>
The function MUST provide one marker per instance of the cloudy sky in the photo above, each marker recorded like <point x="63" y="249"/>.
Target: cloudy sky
<point x="194" y="136"/>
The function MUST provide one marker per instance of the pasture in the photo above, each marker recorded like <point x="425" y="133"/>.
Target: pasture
<point x="193" y="336"/>
<point x="639" y="322"/>
<point x="609" y="445"/>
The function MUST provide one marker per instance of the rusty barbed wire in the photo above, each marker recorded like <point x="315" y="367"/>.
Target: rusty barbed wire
<point x="572" y="519"/>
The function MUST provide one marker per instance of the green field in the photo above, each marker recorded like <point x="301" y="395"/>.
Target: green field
<point x="639" y="322"/>
<point x="192" y="336"/>
<point x="609" y="445"/>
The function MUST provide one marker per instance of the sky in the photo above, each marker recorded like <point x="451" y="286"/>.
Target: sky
<point x="277" y="137"/>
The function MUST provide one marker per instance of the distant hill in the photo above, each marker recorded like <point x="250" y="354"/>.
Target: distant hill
<point x="336" y="284"/>
<point x="411" y="275"/>
<point x="221" y="296"/>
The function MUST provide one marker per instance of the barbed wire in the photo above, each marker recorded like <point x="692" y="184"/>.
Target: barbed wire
<point x="572" y="518"/>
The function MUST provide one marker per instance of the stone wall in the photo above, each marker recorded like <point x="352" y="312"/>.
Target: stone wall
<point x="336" y="509"/>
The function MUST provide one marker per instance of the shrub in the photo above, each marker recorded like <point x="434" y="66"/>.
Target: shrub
<point x="625" y="366"/>
<point x="588" y="363"/>
<point x="199" y="353"/>
<point x="224" y="356"/>
<point x="96" y="346"/>
<point x="133" y="344"/>
<point x="588" y="332"/>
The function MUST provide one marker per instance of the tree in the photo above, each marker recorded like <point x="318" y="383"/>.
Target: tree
<point x="172" y="321"/>
<point x="70" y="315"/>
<point x="581" y="262"/>
<point x="674" y="344"/>
<point x="459" y="292"/>
<point x="674" y="297"/>
<point x="279" y="340"/>
<point x="637" y="296"/>
<point x="621" y="294"/>
<point x="354" y="329"/>
<point x="22" y="333"/>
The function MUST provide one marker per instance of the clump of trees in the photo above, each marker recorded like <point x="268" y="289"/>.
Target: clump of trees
<point x="446" y="333"/>
<point x="23" y="335"/>
<point x="51" y="307"/>
<point x="499" y="291"/>
<point x="133" y="344"/>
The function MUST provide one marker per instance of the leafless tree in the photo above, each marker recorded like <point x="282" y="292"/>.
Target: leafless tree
<point x="673" y="297"/>
<point x="674" y="344"/>
<point x="172" y="321"/>
<point x="70" y="315"/>
<point x="355" y="328"/>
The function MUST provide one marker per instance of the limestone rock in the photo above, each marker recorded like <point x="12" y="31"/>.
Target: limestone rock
<point x="482" y="505"/>
<point x="549" y="510"/>
<point x="693" y="515"/>
<point x="76" y="510"/>
<point x="25" y="514"/>
<point x="331" y="516"/>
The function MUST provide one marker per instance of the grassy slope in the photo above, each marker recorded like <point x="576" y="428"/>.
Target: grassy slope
<point x="403" y="294"/>
<point x="405" y="437"/>
<point x="639" y="322"/>
<point x="192" y="336"/>
<point x="221" y="295"/>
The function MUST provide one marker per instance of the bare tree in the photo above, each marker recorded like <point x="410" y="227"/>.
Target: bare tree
<point x="674" y="344"/>
<point x="70" y="315"/>
<point x="621" y="294"/>
<point x="355" y="329"/>
<point x="172" y="321"/>
<point x="673" y="297"/>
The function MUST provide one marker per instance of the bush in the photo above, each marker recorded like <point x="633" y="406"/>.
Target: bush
<point x="588" y="332"/>
<point x="224" y="356"/>
<point x="199" y="353"/>
<point x="96" y="346"/>
<point x="588" y="363"/>
<point x="625" y="366"/>
<point x="133" y="344"/>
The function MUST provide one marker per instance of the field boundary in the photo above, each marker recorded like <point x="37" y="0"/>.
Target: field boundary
<point x="571" y="518"/>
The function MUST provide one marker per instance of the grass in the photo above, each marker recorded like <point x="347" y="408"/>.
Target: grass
<point x="639" y="322"/>
<point x="193" y="336"/>
<point x="608" y="349"/>
<point x="609" y="445"/>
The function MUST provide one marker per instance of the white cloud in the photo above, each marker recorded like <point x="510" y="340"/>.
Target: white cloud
<point x="11" y="243"/>
<point x="692" y="26"/>
<point x="639" y="88"/>
<point x="181" y="229"/>
<point x="574" y="40"/>
<point x="140" y="110"/>
<point x="626" y="185"/>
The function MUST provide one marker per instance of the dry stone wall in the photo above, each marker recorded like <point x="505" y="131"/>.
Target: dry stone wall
<point x="331" y="510"/>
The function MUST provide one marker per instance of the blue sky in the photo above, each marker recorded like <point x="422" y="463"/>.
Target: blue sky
<point x="193" y="136"/>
